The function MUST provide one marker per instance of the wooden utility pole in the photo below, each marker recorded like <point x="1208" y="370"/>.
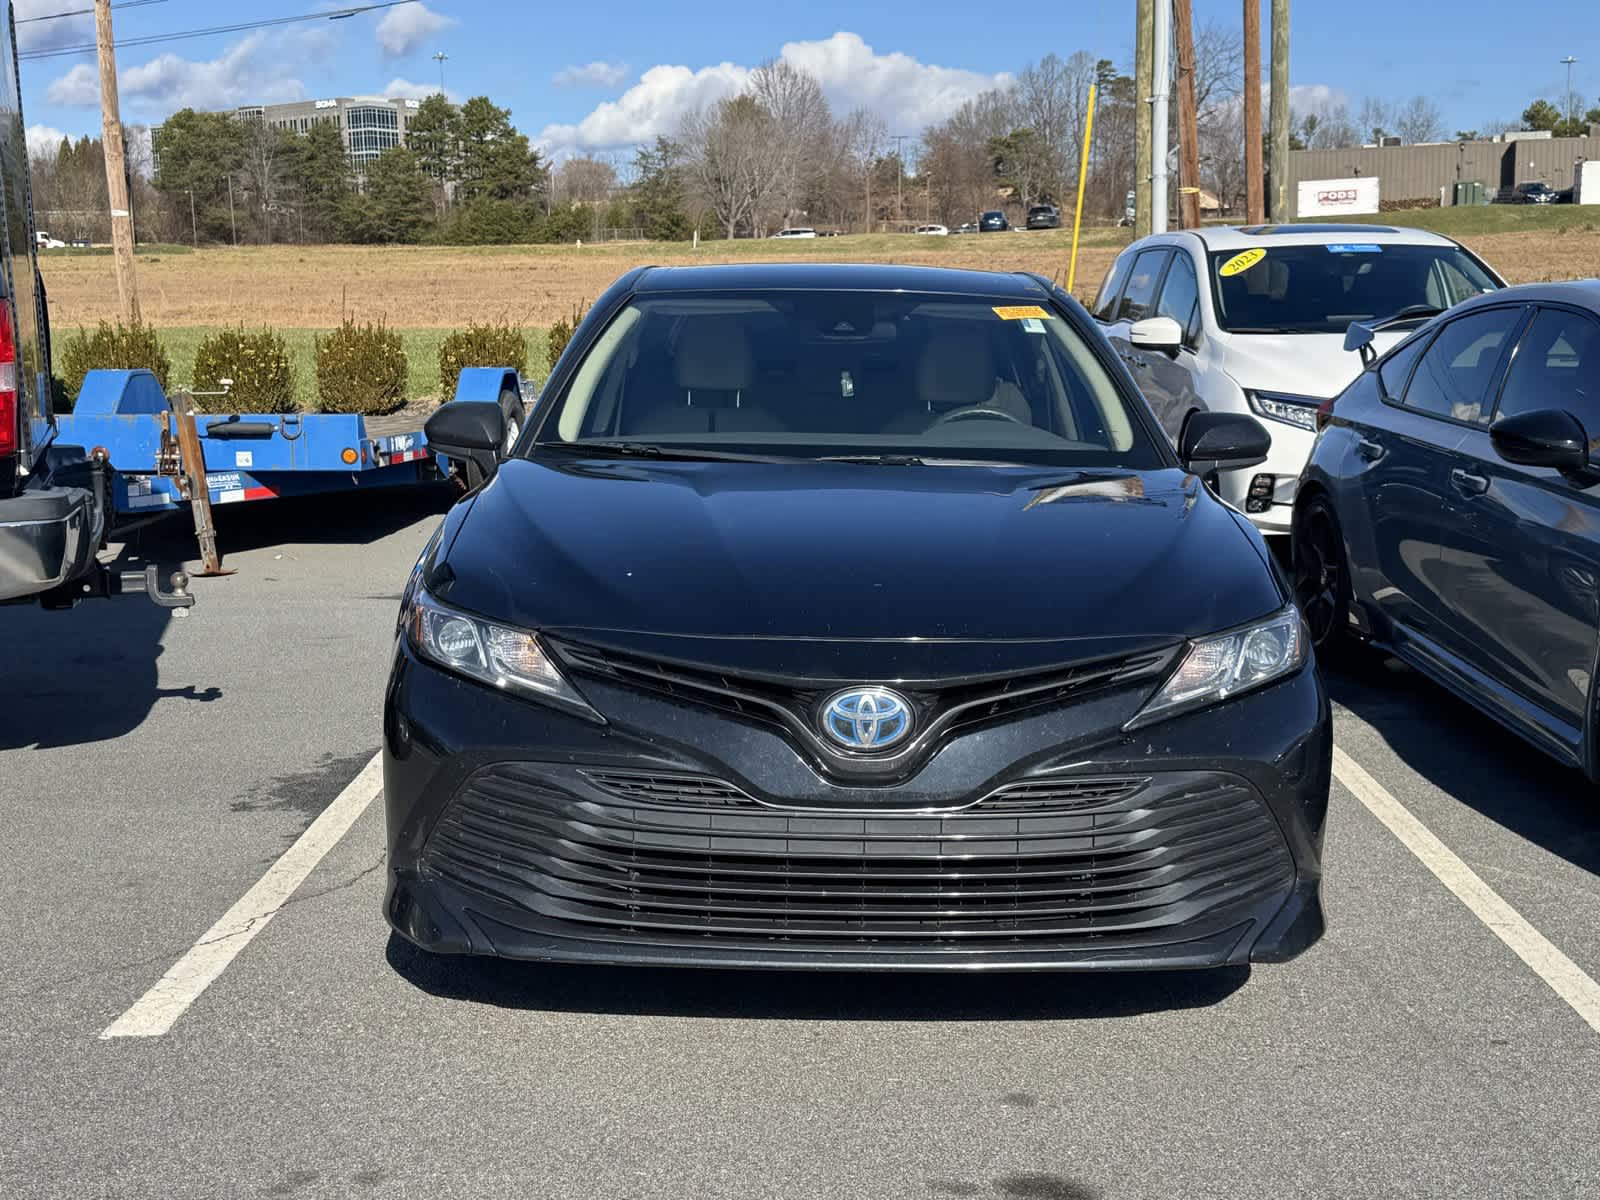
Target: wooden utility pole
<point x="1279" y="206"/>
<point x="1143" y="86"/>
<point x="1188" y="118"/>
<point x="116" y="163"/>
<point x="1254" y="207"/>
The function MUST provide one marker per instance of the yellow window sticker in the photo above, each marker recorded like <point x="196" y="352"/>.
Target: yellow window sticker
<point x="1240" y="263"/>
<point x="1021" y="312"/>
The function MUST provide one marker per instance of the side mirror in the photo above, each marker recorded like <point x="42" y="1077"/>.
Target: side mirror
<point x="1162" y="334"/>
<point x="1546" y="437"/>
<point x="471" y="431"/>
<point x="1214" y="441"/>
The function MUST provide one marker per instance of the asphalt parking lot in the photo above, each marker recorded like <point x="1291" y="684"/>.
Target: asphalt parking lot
<point x="154" y="770"/>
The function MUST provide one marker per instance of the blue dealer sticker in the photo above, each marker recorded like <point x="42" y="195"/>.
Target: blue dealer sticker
<point x="1354" y="248"/>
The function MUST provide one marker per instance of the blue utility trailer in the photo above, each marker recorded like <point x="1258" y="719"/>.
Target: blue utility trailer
<point x="162" y="457"/>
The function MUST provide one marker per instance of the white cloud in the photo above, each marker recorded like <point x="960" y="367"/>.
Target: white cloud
<point x="905" y="92"/>
<point x="249" y="72"/>
<point x="77" y="30"/>
<point x="595" y="74"/>
<point x="405" y="89"/>
<point x="409" y="28"/>
<point x="44" y="141"/>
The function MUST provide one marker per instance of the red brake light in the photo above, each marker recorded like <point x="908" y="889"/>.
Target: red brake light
<point x="1325" y="413"/>
<point x="8" y="382"/>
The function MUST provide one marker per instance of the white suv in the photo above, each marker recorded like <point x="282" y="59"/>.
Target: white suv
<point x="1253" y="320"/>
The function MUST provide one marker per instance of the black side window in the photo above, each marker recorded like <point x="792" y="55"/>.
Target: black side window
<point x="1140" y="295"/>
<point x="1453" y="378"/>
<point x="1557" y="366"/>
<point x="1396" y="369"/>
<point x="1180" y="297"/>
<point x="1111" y="290"/>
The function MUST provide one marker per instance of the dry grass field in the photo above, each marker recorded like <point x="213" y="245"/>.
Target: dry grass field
<point x="420" y="287"/>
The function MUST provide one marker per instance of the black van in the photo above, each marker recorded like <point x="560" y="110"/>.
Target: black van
<point x="51" y="521"/>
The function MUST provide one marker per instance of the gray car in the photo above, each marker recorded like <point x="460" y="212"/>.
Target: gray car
<point x="1450" y="512"/>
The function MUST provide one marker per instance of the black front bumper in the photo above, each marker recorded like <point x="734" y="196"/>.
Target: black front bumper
<point x="517" y="830"/>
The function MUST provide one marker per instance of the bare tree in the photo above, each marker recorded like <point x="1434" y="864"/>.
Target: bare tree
<point x="584" y="181"/>
<point x="262" y="172"/>
<point x="802" y="122"/>
<point x="1373" y="119"/>
<point x="735" y="160"/>
<point x="1418" y="121"/>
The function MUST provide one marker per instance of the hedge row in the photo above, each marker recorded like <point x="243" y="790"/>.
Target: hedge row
<point x="359" y="368"/>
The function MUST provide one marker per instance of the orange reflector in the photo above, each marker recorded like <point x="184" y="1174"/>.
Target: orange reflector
<point x="350" y="457"/>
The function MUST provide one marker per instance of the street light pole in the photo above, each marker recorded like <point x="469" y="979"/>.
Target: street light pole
<point x="1572" y="109"/>
<point x="441" y="58"/>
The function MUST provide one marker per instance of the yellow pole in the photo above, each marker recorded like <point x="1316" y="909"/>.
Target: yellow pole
<point x="1083" y="176"/>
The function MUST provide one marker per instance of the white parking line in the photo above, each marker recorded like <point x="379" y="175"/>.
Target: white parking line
<point x="153" y="1013"/>
<point x="1565" y="977"/>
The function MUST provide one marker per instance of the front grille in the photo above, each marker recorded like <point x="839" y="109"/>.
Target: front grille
<point x="1136" y="859"/>
<point x="668" y="788"/>
<point x="942" y="710"/>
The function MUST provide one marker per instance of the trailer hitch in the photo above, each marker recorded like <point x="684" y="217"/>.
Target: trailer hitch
<point x="106" y="583"/>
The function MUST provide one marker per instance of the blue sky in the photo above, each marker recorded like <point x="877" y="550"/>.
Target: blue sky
<point x="601" y="76"/>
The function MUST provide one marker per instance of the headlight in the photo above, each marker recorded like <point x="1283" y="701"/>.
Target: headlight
<point x="1216" y="668"/>
<point x="1299" y="411"/>
<point x="502" y="657"/>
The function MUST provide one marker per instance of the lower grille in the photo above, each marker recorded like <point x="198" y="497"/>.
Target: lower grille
<point x="1165" y="859"/>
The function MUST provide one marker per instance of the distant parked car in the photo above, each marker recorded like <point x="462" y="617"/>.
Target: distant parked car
<point x="1449" y="513"/>
<point x="82" y="243"/>
<point x="795" y="233"/>
<point x="45" y="242"/>
<point x="1564" y="196"/>
<point x="933" y="231"/>
<point x="969" y="227"/>
<point x="993" y="221"/>
<point x="1044" y="216"/>
<point x="1535" y="192"/>
<point x="1253" y="321"/>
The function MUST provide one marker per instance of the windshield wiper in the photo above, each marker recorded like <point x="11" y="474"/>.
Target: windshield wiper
<point x="651" y="450"/>
<point x="877" y="460"/>
<point x="1411" y="312"/>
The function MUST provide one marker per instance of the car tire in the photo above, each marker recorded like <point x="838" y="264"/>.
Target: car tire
<point x="515" y="416"/>
<point x="1321" y="575"/>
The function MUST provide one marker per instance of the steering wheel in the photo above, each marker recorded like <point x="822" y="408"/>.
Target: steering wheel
<point x="976" y="413"/>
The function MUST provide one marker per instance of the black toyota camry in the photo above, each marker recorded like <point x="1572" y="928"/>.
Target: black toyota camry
<point x="851" y="617"/>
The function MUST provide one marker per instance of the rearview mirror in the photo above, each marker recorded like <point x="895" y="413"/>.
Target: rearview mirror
<point x="470" y="431"/>
<point x="1156" y="333"/>
<point x="1546" y="437"/>
<point x="1216" y="441"/>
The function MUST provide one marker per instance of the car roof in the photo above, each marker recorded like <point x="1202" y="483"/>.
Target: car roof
<point x="837" y="277"/>
<point x="1584" y="293"/>
<point x="1246" y="237"/>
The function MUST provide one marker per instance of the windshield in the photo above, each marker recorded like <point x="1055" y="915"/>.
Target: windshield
<point x="1324" y="288"/>
<point x="815" y="374"/>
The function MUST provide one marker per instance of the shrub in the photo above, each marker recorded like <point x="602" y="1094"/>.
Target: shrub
<point x="480" y="346"/>
<point x="361" y="369"/>
<point x="112" y="347"/>
<point x="561" y="333"/>
<point x="258" y="363"/>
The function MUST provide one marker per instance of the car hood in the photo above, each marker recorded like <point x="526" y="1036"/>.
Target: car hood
<point x="1003" y="560"/>
<point x="1300" y="364"/>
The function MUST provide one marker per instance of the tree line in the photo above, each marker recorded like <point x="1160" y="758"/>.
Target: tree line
<point x="771" y="156"/>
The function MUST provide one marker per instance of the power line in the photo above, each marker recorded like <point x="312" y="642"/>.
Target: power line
<point x="83" y="12"/>
<point x="337" y="14"/>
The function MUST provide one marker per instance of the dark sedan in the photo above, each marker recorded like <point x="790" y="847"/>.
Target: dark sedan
<point x="851" y="617"/>
<point x="1450" y="513"/>
<point x="993" y="221"/>
<point x="1044" y="216"/>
